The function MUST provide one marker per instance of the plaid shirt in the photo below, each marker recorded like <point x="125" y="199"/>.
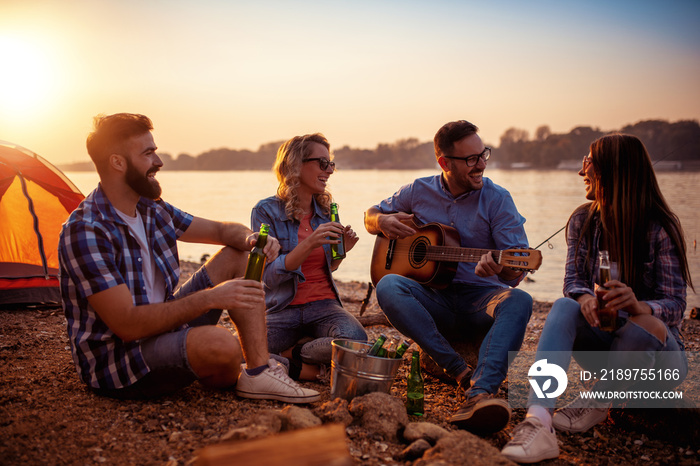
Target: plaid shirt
<point x="96" y="252"/>
<point x="664" y="288"/>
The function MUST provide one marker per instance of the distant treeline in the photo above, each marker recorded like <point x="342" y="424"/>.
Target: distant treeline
<point x="671" y="142"/>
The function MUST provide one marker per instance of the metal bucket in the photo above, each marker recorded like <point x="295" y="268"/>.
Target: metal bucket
<point x="354" y="373"/>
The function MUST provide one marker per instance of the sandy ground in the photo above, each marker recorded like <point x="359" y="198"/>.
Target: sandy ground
<point x="48" y="417"/>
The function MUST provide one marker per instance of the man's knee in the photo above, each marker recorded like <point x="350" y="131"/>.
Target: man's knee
<point x="386" y="288"/>
<point x="226" y="264"/>
<point x="514" y="302"/>
<point x="210" y="347"/>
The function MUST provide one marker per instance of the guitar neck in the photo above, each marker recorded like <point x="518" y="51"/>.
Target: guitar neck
<point x="455" y="254"/>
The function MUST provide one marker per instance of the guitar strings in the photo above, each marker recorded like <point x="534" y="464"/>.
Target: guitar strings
<point x="456" y="254"/>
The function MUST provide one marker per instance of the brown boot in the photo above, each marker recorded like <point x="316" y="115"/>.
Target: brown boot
<point x="482" y="414"/>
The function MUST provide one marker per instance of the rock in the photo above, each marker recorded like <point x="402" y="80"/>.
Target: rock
<point x="260" y="425"/>
<point x="294" y="417"/>
<point x="239" y="433"/>
<point x="424" y="430"/>
<point x="414" y="450"/>
<point x="380" y="413"/>
<point x="461" y="447"/>
<point x="335" y="411"/>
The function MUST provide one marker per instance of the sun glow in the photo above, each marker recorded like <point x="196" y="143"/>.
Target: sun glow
<point x="26" y="78"/>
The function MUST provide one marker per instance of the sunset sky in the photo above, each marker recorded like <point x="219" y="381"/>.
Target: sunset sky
<point x="225" y="73"/>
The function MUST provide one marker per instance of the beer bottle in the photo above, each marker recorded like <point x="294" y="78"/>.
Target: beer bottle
<point x="401" y="349"/>
<point x="391" y="348"/>
<point x="377" y="344"/>
<point x="603" y="267"/>
<point x="607" y="318"/>
<point x="415" y="390"/>
<point x="256" y="258"/>
<point x="337" y="250"/>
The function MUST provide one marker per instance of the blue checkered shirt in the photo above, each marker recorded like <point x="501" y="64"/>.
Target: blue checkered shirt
<point x="96" y="252"/>
<point x="664" y="288"/>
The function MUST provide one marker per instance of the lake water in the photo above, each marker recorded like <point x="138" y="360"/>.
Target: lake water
<point x="544" y="198"/>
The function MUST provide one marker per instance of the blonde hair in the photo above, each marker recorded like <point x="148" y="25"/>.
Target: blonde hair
<point x="290" y="157"/>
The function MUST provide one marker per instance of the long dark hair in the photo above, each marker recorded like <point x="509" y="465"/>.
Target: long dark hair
<point x="629" y="201"/>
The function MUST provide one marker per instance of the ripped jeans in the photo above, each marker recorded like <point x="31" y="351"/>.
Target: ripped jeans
<point x="323" y="320"/>
<point x="566" y="332"/>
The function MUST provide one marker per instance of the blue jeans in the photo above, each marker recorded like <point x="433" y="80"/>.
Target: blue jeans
<point x="566" y="332"/>
<point x="430" y="317"/>
<point x="323" y="320"/>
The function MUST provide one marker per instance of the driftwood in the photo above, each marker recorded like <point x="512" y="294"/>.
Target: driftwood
<point x="324" y="445"/>
<point x="373" y="319"/>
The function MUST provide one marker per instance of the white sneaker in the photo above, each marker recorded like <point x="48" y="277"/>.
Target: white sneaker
<point x="532" y="442"/>
<point x="580" y="415"/>
<point x="274" y="384"/>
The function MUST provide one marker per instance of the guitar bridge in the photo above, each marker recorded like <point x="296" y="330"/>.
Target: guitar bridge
<point x="390" y="254"/>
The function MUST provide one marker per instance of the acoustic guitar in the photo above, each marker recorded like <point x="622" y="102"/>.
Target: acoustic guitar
<point x="431" y="255"/>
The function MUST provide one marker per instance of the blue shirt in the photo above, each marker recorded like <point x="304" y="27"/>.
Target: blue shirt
<point x="485" y="218"/>
<point x="281" y="284"/>
<point x="96" y="252"/>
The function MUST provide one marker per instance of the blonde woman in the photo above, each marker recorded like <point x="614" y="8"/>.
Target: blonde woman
<point x="304" y="312"/>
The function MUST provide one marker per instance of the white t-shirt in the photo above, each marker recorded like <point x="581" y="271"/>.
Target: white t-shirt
<point x="152" y="276"/>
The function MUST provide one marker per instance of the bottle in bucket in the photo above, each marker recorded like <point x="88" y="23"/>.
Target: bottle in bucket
<point x="256" y="258"/>
<point x="415" y="391"/>
<point x="401" y="349"/>
<point x="607" y="318"/>
<point x="337" y="250"/>
<point x="377" y="345"/>
<point x="391" y="347"/>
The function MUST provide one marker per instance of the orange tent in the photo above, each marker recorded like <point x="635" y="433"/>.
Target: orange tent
<point x="35" y="199"/>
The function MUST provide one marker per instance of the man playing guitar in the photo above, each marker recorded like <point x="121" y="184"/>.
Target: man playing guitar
<point x="481" y="295"/>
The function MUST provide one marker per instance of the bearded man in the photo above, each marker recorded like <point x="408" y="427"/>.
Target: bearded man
<point x="133" y="334"/>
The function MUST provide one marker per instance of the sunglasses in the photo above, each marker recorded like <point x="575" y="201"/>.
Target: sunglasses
<point x="323" y="163"/>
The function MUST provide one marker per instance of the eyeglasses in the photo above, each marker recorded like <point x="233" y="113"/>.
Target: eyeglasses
<point x="473" y="159"/>
<point x="323" y="163"/>
<point x="587" y="160"/>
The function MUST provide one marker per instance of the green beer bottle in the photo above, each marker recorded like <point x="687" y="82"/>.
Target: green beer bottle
<point x="415" y="390"/>
<point x="377" y="345"/>
<point x="337" y="250"/>
<point x="256" y="258"/>
<point x="401" y="349"/>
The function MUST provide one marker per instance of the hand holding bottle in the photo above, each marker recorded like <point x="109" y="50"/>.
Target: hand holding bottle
<point x="271" y="248"/>
<point x="325" y="233"/>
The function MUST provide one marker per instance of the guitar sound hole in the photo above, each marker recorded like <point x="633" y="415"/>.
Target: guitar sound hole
<point x="419" y="251"/>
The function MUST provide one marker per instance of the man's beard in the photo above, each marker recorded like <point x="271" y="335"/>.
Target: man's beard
<point x="142" y="184"/>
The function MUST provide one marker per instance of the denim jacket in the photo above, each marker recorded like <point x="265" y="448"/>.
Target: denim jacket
<point x="279" y="283"/>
